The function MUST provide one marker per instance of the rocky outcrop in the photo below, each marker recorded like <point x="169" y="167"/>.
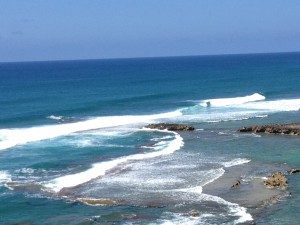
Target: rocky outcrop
<point x="292" y="171"/>
<point x="290" y="129"/>
<point x="171" y="127"/>
<point x="276" y="180"/>
<point x="91" y="201"/>
<point x="194" y="213"/>
<point x="237" y="184"/>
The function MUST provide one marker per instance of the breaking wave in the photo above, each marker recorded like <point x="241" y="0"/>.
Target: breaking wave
<point x="100" y="169"/>
<point x="219" y="102"/>
<point x="13" y="137"/>
<point x="256" y="102"/>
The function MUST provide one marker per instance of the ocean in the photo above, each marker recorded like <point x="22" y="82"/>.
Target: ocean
<point x="74" y="150"/>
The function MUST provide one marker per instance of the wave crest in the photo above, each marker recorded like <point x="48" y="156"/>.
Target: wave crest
<point x="232" y="101"/>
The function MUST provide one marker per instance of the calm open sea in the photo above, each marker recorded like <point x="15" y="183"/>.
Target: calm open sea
<point x="73" y="130"/>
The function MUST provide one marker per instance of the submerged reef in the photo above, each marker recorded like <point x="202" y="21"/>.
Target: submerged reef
<point x="290" y="129"/>
<point x="171" y="127"/>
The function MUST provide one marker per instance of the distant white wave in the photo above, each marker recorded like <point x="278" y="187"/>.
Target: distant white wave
<point x="100" y="169"/>
<point x="256" y="102"/>
<point x="235" y="109"/>
<point x="13" y="137"/>
<point x="283" y="105"/>
<point x="219" y="102"/>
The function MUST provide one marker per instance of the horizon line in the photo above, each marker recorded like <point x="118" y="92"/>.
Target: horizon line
<point x="150" y="57"/>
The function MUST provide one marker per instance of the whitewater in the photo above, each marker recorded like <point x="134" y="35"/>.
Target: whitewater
<point x="245" y="107"/>
<point x="72" y="131"/>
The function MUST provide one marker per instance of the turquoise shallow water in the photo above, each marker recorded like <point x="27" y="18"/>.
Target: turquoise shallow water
<point x="73" y="129"/>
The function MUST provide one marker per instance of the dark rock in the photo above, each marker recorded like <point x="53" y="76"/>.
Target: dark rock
<point x="276" y="180"/>
<point x="194" y="213"/>
<point x="171" y="127"/>
<point x="91" y="201"/>
<point x="237" y="184"/>
<point x="154" y="205"/>
<point x="292" y="171"/>
<point x="289" y="129"/>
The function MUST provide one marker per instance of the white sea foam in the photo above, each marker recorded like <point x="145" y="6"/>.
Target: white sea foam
<point x="222" y="115"/>
<point x="4" y="177"/>
<point x="214" y="174"/>
<point x="197" y="189"/>
<point x="180" y="219"/>
<point x="100" y="169"/>
<point x="234" y="209"/>
<point x="261" y="116"/>
<point x="52" y="117"/>
<point x="235" y="162"/>
<point x="162" y="138"/>
<point x="283" y="105"/>
<point x="26" y="171"/>
<point x="219" y="102"/>
<point x="255" y="102"/>
<point x="13" y="137"/>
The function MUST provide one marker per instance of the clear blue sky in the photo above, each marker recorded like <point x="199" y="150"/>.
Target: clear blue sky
<point x="86" y="29"/>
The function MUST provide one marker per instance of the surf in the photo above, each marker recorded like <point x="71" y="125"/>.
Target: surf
<point x="18" y="136"/>
<point x="219" y="102"/>
<point x="100" y="169"/>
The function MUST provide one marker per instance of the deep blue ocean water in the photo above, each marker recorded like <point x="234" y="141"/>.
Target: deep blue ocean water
<point x="72" y="130"/>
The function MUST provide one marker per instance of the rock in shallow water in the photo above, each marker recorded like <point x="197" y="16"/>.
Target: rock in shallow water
<point x="194" y="213"/>
<point x="90" y="201"/>
<point x="292" y="171"/>
<point x="276" y="180"/>
<point x="291" y="129"/>
<point x="237" y="184"/>
<point x="171" y="127"/>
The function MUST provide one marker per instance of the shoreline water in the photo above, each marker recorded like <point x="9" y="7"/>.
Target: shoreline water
<point x="60" y="120"/>
<point x="252" y="194"/>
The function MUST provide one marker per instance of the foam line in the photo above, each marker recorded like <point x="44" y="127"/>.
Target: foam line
<point x="100" y="169"/>
<point x="235" y="162"/>
<point x="4" y="177"/>
<point x="13" y="137"/>
<point x="234" y="208"/>
<point x="218" y="102"/>
<point x="283" y="105"/>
